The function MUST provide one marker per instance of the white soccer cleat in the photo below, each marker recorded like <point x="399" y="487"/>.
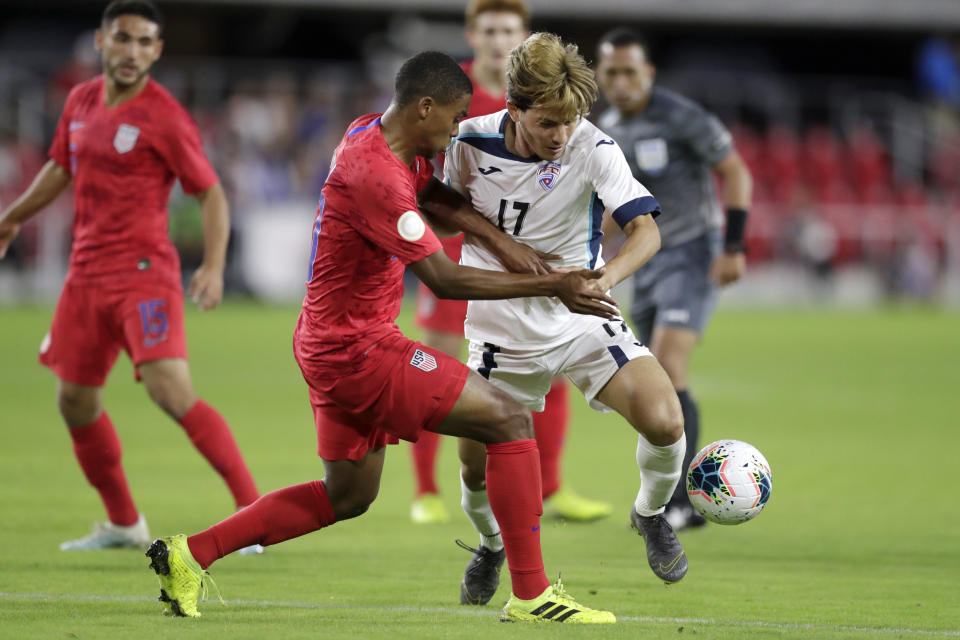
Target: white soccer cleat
<point x="106" y="535"/>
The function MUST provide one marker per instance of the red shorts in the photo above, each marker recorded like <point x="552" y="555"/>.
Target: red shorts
<point x="442" y="315"/>
<point x="92" y="323"/>
<point x="402" y="389"/>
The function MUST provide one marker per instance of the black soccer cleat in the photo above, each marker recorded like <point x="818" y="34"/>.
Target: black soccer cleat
<point x="482" y="577"/>
<point x="665" y="554"/>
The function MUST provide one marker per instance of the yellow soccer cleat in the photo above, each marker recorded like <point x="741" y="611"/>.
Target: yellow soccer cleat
<point x="182" y="581"/>
<point x="428" y="509"/>
<point x="553" y="605"/>
<point x="568" y="505"/>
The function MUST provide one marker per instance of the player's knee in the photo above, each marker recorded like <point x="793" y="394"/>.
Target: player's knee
<point x="79" y="407"/>
<point x="170" y="395"/>
<point x="351" y="501"/>
<point x="515" y="422"/>
<point x="664" y="421"/>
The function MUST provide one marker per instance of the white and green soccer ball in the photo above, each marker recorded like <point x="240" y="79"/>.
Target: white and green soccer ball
<point x="729" y="482"/>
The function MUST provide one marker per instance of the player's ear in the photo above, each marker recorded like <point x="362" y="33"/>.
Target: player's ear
<point x="156" y="55"/>
<point x="424" y="106"/>
<point x="514" y="111"/>
<point x="98" y="39"/>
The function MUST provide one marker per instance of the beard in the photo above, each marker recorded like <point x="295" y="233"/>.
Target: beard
<point x="112" y="71"/>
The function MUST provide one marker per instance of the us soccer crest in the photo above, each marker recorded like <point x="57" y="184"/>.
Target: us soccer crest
<point x="126" y="138"/>
<point x="547" y="175"/>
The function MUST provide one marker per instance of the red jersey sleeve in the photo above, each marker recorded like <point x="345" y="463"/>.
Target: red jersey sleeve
<point x="387" y="215"/>
<point x="60" y="147"/>
<point x="180" y="145"/>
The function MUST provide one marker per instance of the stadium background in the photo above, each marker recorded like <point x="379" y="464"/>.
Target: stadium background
<point x="849" y="125"/>
<point x="857" y="169"/>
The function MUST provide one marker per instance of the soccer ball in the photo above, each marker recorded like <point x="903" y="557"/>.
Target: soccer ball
<point x="729" y="482"/>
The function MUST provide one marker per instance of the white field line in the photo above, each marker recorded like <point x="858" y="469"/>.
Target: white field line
<point x="466" y="611"/>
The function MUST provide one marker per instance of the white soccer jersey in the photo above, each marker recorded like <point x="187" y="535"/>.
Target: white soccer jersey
<point x="555" y="207"/>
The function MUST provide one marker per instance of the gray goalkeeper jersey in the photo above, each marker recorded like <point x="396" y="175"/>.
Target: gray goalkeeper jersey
<point x="671" y="148"/>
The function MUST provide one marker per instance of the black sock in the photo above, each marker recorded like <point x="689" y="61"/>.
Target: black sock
<point x="691" y="428"/>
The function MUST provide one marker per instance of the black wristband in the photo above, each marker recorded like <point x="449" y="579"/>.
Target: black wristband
<point x="736" y="226"/>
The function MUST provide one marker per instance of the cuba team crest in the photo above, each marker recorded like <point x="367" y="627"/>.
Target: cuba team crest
<point x="547" y="175"/>
<point x="126" y="138"/>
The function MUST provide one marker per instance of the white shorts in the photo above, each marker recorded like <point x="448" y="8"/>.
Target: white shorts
<point x="589" y="361"/>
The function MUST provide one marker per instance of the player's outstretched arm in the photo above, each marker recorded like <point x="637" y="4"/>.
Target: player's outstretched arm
<point x="49" y="183"/>
<point x="450" y="211"/>
<point x="206" y="285"/>
<point x="576" y="289"/>
<point x="643" y="240"/>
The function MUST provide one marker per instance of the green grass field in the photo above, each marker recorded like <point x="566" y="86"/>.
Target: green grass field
<point x="856" y="412"/>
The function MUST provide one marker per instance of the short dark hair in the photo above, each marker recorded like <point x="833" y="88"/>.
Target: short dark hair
<point x="624" y="37"/>
<point x="144" y="8"/>
<point x="433" y="74"/>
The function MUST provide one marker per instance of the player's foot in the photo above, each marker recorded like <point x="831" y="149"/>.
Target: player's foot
<point x="182" y="581"/>
<point x="683" y="517"/>
<point x="568" y="505"/>
<point x="252" y="550"/>
<point x="482" y="577"/>
<point x="428" y="509"/>
<point x="553" y="605"/>
<point x="664" y="552"/>
<point x="106" y="535"/>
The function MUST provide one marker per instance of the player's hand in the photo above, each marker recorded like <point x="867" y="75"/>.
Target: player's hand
<point x="517" y="257"/>
<point x="8" y="231"/>
<point x="578" y="292"/>
<point x="599" y="284"/>
<point x="206" y="287"/>
<point x="727" y="268"/>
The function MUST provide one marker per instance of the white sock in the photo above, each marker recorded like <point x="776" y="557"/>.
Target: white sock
<point x="477" y="507"/>
<point x="660" y="470"/>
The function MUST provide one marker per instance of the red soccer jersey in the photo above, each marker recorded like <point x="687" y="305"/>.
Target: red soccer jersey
<point x="367" y="228"/>
<point x="482" y="103"/>
<point x="123" y="161"/>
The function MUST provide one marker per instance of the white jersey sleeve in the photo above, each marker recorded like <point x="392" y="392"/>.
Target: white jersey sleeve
<point x="451" y="169"/>
<point x="621" y="194"/>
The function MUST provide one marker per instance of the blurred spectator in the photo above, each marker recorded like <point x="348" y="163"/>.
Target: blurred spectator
<point x="938" y="77"/>
<point x="938" y="70"/>
<point x="812" y="238"/>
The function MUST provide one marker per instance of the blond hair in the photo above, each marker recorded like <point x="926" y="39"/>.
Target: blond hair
<point x="476" y="7"/>
<point x="544" y="73"/>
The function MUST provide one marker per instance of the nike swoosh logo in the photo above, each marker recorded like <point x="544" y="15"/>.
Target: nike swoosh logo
<point x="487" y="172"/>
<point x="673" y="563"/>
<point x="604" y="142"/>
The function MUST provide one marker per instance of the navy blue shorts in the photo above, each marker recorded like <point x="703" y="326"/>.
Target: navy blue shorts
<point x="674" y="287"/>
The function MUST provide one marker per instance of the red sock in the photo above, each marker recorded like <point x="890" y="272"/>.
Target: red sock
<point x="211" y="435"/>
<point x="424" y="453"/>
<point x="98" y="451"/>
<point x="277" y="516"/>
<point x="550" y="425"/>
<point x="513" y="486"/>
